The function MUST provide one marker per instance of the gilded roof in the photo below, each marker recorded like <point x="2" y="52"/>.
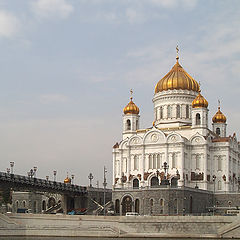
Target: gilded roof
<point x="177" y="78"/>
<point x="199" y="101"/>
<point x="219" y="117"/>
<point x="131" y="108"/>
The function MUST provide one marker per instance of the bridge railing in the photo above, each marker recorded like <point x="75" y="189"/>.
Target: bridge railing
<point x="40" y="183"/>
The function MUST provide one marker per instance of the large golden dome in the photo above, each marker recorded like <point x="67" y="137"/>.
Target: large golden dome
<point x="131" y="108"/>
<point x="219" y="117"/>
<point x="177" y="78"/>
<point x="199" y="101"/>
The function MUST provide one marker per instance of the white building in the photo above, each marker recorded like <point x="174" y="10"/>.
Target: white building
<point x="180" y="136"/>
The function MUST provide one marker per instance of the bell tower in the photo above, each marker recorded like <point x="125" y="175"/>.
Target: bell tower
<point x="130" y="118"/>
<point x="219" y="123"/>
<point x="200" y="112"/>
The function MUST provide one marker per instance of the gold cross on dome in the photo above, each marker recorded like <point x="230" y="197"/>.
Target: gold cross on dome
<point x="177" y="49"/>
<point x="177" y="52"/>
<point x="131" y="92"/>
<point x="218" y="103"/>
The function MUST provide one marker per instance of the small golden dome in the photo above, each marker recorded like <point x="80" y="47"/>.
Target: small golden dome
<point x="219" y="117"/>
<point x="131" y="108"/>
<point x="177" y="78"/>
<point x="67" y="180"/>
<point x="199" y="101"/>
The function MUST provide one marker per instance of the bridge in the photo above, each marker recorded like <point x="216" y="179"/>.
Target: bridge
<point x="19" y="182"/>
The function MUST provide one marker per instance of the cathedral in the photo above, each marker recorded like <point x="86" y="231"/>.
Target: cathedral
<point x="180" y="149"/>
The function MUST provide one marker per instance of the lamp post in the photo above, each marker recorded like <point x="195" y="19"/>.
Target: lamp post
<point x="34" y="172"/>
<point x="72" y="178"/>
<point x="54" y="175"/>
<point x="104" y="191"/>
<point x="165" y="181"/>
<point x="90" y="177"/>
<point x="11" y="165"/>
<point x="31" y="173"/>
<point x="214" y="179"/>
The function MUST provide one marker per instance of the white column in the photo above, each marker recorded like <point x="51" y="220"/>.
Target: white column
<point x="181" y="170"/>
<point x="129" y="163"/>
<point x="120" y="163"/>
<point x="166" y="153"/>
<point x="114" y="165"/>
<point x="205" y="167"/>
<point x="143" y="163"/>
<point x="227" y="169"/>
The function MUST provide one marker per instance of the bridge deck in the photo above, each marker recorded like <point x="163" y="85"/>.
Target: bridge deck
<point x="20" y="182"/>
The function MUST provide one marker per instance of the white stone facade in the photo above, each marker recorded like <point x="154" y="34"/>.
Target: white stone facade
<point x="180" y="136"/>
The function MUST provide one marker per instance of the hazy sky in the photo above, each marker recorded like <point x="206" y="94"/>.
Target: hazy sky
<point x="67" y="66"/>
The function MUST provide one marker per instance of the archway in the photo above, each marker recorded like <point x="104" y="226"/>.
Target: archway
<point x="43" y="205"/>
<point x="137" y="205"/>
<point x="117" y="206"/>
<point x="135" y="183"/>
<point x="126" y="205"/>
<point x="154" y="182"/>
<point x="51" y="202"/>
<point x="191" y="205"/>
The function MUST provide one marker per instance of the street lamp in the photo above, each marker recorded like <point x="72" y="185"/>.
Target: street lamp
<point x="31" y="173"/>
<point x="34" y="171"/>
<point x="90" y="177"/>
<point x="72" y="178"/>
<point x="214" y="178"/>
<point x="104" y="185"/>
<point x="11" y="165"/>
<point x="54" y="175"/>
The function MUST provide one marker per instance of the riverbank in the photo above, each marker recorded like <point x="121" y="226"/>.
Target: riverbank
<point x="120" y="226"/>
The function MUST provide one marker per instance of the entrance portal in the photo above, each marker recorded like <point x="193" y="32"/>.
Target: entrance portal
<point x="126" y="205"/>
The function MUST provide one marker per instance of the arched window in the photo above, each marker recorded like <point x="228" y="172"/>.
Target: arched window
<point x="219" y="163"/>
<point x="198" y="158"/>
<point x="43" y="205"/>
<point x="137" y="124"/>
<point x="154" y="162"/>
<point x="187" y="111"/>
<point x="173" y="160"/>
<point x="128" y="124"/>
<point x="135" y="162"/>
<point x="219" y="185"/>
<point x="175" y="208"/>
<point x="218" y="132"/>
<point x="151" y="206"/>
<point x="178" y="111"/>
<point x="154" y="182"/>
<point x="158" y="161"/>
<point x="150" y="163"/>
<point x="191" y="205"/>
<point x="24" y="203"/>
<point x="137" y="205"/>
<point x="161" y="112"/>
<point x="135" y="183"/>
<point x="117" y="206"/>
<point x="169" y="111"/>
<point x="198" y="119"/>
<point x="124" y="165"/>
<point x="161" y="202"/>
